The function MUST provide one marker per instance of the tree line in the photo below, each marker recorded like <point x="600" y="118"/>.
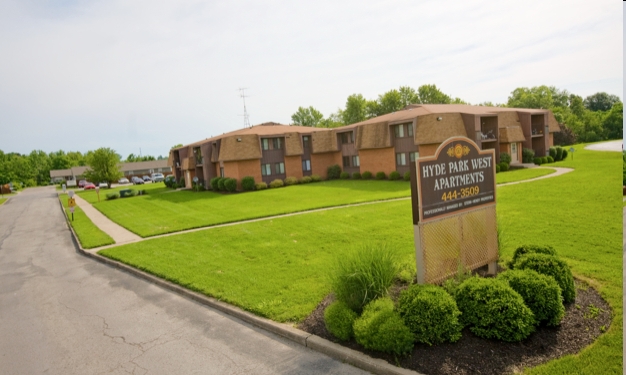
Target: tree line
<point x="594" y="118"/>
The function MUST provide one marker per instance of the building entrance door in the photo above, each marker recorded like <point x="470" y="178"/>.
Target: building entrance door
<point x="514" y="158"/>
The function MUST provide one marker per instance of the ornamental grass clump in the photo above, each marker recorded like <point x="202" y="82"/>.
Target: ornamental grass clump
<point x="316" y="178"/>
<point x="305" y="180"/>
<point x="493" y="310"/>
<point x="261" y="186"/>
<point x="552" y="266"/>
<point x="339" y="319"/>
<point x="381" y="328"/>
<point x="541" y="294"/>
<point x="363" y="275"/>
<point x="430" y="313"/>
<point x="277" y="183"/>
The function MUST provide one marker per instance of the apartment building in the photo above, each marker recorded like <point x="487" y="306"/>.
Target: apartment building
<point x="386" y="143"/>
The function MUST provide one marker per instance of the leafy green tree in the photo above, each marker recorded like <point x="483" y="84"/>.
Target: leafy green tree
<point x="355" y="110"/>
<point x="334" y="120"/>
<point x="177" y="146"/>
<point x="373" y="109"/>
<point x="600" y="101"/>
<point x="390" y="101"/>
<point x="59" y="160"/>
<point x="39" y="167"/>
<point x="408" y="95"/>
<point x="540" y="97"/>
<point x="307" y="116"/>
<point x="103" y="166"/>
<point x="614" y="121"/>
<point x="430" y="94"/>
<point x="576" y="105"/>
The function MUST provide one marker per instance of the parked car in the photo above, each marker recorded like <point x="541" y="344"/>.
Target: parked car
<point x="82" y="183"/>
<point x="146" y="178"/>
<point x="137" y="181"/>
<point x="157" y="177"/>
<point x="123" y="181"/>
<point x="89" y="186"/>
<point x="103" y="185"/>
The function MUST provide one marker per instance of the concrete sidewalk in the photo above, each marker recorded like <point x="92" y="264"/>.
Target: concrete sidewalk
<point x="559" y="171"/>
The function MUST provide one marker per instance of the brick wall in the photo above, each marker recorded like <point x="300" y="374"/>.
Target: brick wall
<point x="378" y="160"/>
<point x="321" y="162"/>
<point x="241" y="169"/>
<point x="293" y="166"/>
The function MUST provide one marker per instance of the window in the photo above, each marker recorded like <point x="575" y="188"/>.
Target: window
<point x="399" y="130"/>
<point x="409" y="129"/>
<point x="414" y="156"/>
<point x="306" y="165"/>
<point x="347" y="138"/>
<point x="306" y="141"/>
<point x="266" y="170"/>
<point x="401" y="158"/>
<point x="276" y="143"/>
<point x="266" y="143"/>
<point x="280" y="167"/>
<point x="346" y="161"/>
<point x="355" y="161"/>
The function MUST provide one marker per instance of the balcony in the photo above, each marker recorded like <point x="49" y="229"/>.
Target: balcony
<point x="199" y="160"/>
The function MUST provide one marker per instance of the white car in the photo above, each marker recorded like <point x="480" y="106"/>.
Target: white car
<point x="103" y="185"/>
<point x="123" y="181"/>
<point x="157" y="177"/>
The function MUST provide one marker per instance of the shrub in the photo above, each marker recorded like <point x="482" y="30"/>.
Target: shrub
<point x="530" y="249"/>
<point x="260" y="186"/>
<point x="247" y="183"/>
<point x="363" y="275"/>
<point x="407" y="176"/>
<point x="344" y="175"/>
<point x="452" y="284"/>
<point x="220" y="184"/>
<point x="528" y="155"/>
<point x="291" y="181"/>
<point x="552" y="152"/>
<point x="305" y="180"/>
<point x="559" y="153"/>
<point x="133" y="193"/>
<point x="381" y="328"/>
<point x="550" y="159"/>
<point x="214" y="183"/>
<point x="112" y="196"/>
<point x="367" y="175"/>
<point x="394" y="176"/>
<point x="381" y="176"/>
<point x="544" y="160"/>
<point x="540" y="292"/>
<point x="430" y="313"/>
<point x="504" y="167"/>
<point x="339" y="320"/>
<point x="538" y="161"/>
<point x="316" y="178"/>
<point x="334" y="172"/>
<point x="181" y="183"/>
<point x="497" y="168"/>
<point x="505" y="158"/>
<point x="356" y="176"/>
<point x="564" y="154"/>
<point x="493" y="310"/>
<point x="277" y="183"/>
<point x="552" y="266"/>
<point x="230" y="184"/>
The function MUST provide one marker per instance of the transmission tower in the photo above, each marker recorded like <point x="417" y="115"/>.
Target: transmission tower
<point x="246" y="119"/>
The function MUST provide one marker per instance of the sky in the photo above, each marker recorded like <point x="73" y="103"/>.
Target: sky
<point x="143" y="76"/>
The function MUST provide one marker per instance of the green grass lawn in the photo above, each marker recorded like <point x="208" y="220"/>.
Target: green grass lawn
<point x="277" y="268"/>
<point x="522" y="174"/>
<point x="89" y="235"/>
<point x="165" y="211"/>
<point x="2" y="200"/>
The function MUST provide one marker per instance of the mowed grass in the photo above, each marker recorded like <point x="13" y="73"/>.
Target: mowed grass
<point x="89" y="235"/>
<point x="2" y="200"/>
<point x="278" y="268"/>
<point x="91" y="196"/>
<point x="522" y="174"/>
<point x="165" y="211"/>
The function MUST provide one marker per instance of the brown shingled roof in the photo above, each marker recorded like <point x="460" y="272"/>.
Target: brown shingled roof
<point x="293" y="144"/>
<point x="430" y="130"/>
<point x="553" y="124"/>
<point x="373" y="136"/>
<point x="240" y="147"/>
<point x="324" y="141"/>
<point x="511" y="134"/>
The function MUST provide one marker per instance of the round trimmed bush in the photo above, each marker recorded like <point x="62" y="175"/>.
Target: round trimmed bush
<point x="316" y="178"/>
<point x="247" y="183"/>
<point x="112" y="196"/>
<point x="260" y="186"/>
<point x="344" y="175"/>
<point x="356" y="176"/>
<point x="540" y="292"/>
<point x="230" y="184"/>
<point x="544" y="160"/>
<point x="505" y="158"/>
<point x="333" y="172"/>
<point x="497" y="168"/>
<point x="214" y="183"/>
<point x="305" y="180"/>
<point x="430" y="313"/>
<point x="367" y="175"/>
<point x="394" y="176"/>
<point x="538" y="161"/>
<point x="339" y="320"/>
<point x="564" y="153"/>
<point x="504" y="167"/>
<point x="407" y="176"/>
<point x="381" y="176"/>
<point x="381" y="328"/>
<point x="493" y="310"/>
<point x="550" y="159"/>
<point x="528" y="155"/>
<point x="530" y="249"/>
<point x="291" y="181"/>
<point x="559" y="153"/>
<point x="551" y="266"/>
<point x="220" y="184"/>
<point x="552" y="152"/>
<point x="277" y="183"/>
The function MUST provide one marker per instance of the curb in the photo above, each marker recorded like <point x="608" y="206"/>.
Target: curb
<point x="313" y="342"/>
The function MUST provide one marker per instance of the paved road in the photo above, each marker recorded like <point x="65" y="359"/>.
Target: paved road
<point x="606" y="146"/>
<point x="61" y="313"/>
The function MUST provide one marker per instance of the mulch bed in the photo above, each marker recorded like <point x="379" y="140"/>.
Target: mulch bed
<point x="581" y="325"/>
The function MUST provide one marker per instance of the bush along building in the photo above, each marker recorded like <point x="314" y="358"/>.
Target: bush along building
<point x="386" y="143"/>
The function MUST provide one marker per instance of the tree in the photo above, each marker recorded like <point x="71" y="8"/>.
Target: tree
<point x="430" y="94"/>
<point x="177" y="146"/>
<point x="39" y="167"/>
<point x="576" y="105"/>
<point x="103" y="166"/>
<point x="355" y="109"/>
<point x="307" y="116"/>
<point x="614" y="121"/>
<point x="540" y="97"/>
<point x="408" y="95"/>
<point x="390" y="101"/>
<point x="334" y="120"/>
<point x="600" y="101"/>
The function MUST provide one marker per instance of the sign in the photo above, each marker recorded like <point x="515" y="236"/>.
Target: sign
<point x="64" y="187"/>
<point x="71" y="202"/>
<point x="72" y="211"/>
<point x="460" y="176"/>
<point x="70" y="193"/>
